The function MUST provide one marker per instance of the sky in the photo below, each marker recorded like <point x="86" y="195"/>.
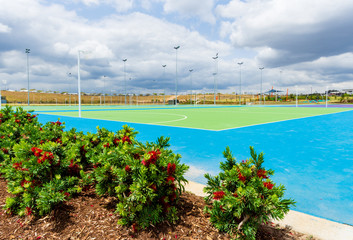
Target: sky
<point x="302" y="45"/>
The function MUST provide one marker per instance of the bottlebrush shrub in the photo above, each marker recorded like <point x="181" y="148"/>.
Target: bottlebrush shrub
<point x="39" y="178"/>
<point x="243" y="196"/>
<point x="146" y="178"/>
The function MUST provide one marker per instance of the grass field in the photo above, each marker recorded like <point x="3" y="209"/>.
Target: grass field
<point x="210" y="118"/>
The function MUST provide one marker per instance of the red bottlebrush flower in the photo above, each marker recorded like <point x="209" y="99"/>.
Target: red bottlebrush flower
<point x="73" y="168"/>
<point x="67" y="194"/>
<point x="23" y="182"/>
<point x="58" y="140"/>
<point x="40" y="129"/>
<point x="145" y="163"/>
<point x="127" y="168"/>
<point x="134" y="227"/>
<point x="154" y="156"/>
<point x="126" y="139"/>
<point x="262" y="173"/>
<point x="268" y="185"/>
<point x="28" y="115"/>
<point x="107" y="145"/>
<point x="5" y="150"/>
<point x="172" y="197"/>
<point x="241" y="177"/>
<point x="36" y="151"/>
<point x="2" y="137"/>
<point x="17" y="120"/>
<point x="28" y="211"/>
<point x="218" y="195"/>
<point x="170" y="179"/>
<point x="17" y="166"/>
<point x="116" y="141"/>
<point x="235" y="194"/>
<point x="153" y="186"/>
<point x="171" y="168"/>
<point x="83" y="150"/>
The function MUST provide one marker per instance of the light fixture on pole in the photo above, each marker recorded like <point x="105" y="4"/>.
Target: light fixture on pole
<point x="261" y="68"/>
<point x="27" y="52"/>
<point x="176" y="74"/>
<point x="215" y="75"/>
<point x="191" y="84"/>
<point x="124" y="60"/>
<point x="240" y="63"/>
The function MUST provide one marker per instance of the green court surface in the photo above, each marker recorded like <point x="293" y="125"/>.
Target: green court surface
<point x="210" y="118"/>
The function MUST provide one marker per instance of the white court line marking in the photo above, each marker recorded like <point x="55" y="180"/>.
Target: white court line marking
<point x="176" y="120"/>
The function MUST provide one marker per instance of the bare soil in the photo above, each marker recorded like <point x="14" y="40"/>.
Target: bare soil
<point x="90" y="217"/>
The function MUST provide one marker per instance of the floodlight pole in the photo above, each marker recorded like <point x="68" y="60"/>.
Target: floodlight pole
<point x="296" y="96"/>
<point x="79" y="82"/>
<point x="27" y="52"/>
<point x="69" y="75"/>
<point x="124" y="60"/>
<point x="326" y="95"/>
<point x="191" y="84"/>
<point x="164" y="77"/>
<point x="214" y="88"/>
<point x="176" y="74"/>
<point x="261" y="68"/>
<point x="215" y="80"/>
<point x="240" y="63"/>
<point x="104" y="88"/>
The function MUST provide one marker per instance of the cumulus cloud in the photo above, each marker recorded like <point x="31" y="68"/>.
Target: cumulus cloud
<point x="55" y="35"/>
<point x="192" y="8"/>
<point x="4" y="28"/>
<point x="296" y="31"/>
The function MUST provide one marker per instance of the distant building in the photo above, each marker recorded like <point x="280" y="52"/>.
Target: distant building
<point x="348" y="91"/>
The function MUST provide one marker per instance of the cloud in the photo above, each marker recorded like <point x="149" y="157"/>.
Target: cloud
<point x="4" y="28"/>
<point x="192" y="8"/>
<point x="55" y="35"/>
<point x="295" y="31"/>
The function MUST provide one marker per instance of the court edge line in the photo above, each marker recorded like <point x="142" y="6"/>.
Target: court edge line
<point x="281" y="121"/>
<point x="132" y="122"/>
<point x="211" y="130"/>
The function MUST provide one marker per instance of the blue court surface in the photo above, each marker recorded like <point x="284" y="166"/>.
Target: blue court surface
<point x="312" y="157"/>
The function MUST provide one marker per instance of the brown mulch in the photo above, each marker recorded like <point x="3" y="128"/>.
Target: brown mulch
<point x="90" y="217"/>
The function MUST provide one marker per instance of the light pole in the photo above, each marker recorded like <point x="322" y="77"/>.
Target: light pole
<point x="104" y="88"/>
<point x="69" y="75"/>
<point x="215" y="74"/>
<point x="27" y="52"/>
<point x="124" y="60"/>
<point x="79" y="81"/>
<point x="176" y="74"/>
<point x="214" y="88"/>
<point x="191" y="84"/>
<point x="240" y="63"/>
<point x="164" y="77"/>
<point x="261" y="68"/>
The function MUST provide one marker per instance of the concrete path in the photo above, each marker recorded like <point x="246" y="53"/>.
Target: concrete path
<point x="300" y="222"/>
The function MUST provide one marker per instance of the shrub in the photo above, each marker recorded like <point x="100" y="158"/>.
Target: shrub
<point x="44" y="166"/>
<point x="243" y="196"/>
<point x="39" y="178"/>
<point x="146" y="178"/>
